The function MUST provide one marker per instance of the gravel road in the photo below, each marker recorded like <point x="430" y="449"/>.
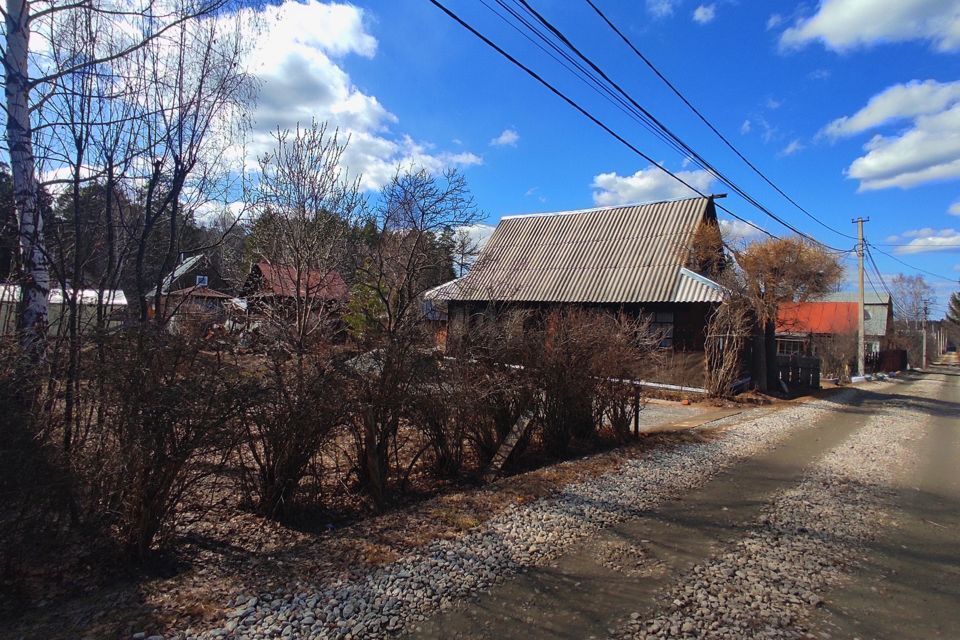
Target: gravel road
<point x="398" y="596"/>
<point x="809" y="485"/>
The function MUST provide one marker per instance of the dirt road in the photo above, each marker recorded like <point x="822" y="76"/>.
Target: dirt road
<point x="848" y="528"/>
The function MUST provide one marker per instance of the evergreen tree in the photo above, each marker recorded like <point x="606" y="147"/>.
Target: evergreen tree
<point x="953" y="309"/>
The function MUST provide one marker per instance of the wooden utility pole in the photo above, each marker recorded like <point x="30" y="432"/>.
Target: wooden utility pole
<point x="926" y="310"/>
<point x="861" y="338"/>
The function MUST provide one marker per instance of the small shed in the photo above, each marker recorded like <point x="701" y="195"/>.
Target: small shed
<point x="112" y="302"/>
<point x="798" y="324"/>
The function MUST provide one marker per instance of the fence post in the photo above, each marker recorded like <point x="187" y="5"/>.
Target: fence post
<point x="636" y="410"/>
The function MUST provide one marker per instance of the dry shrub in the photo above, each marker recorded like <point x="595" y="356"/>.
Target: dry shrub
<point x="296" y="407"/>
<point x="728" y="332"/>
<point x="617" y="403"/>
<point x="838" y="355"/>
<point x="497" y="386"/>
<point x="580" y="350"/>
<point x="35" y="490"/>
<point x="164" y="425"/>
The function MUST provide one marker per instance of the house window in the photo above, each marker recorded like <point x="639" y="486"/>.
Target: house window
<point x="662" y="323"/>
<point x="790" y="347"/>
<point x="202" y="281"/>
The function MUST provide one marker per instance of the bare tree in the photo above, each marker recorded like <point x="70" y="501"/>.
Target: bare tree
<point x="305" y="208"/>
<point x="29" y="81"/>
<point x="911" y="294"/>
<point x="774" y="272"/>
<point x="403" y="260"/>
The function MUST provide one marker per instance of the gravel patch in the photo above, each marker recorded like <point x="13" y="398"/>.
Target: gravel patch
<point x="396" y="596"/>
<point x="805" y="542"/>
<point x="633" y="560"/>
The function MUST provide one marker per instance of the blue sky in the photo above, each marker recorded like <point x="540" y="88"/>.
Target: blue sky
<point x="851" y="106"/>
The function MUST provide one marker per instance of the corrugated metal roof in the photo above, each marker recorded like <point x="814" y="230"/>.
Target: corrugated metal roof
<point x="693" y="287"/>
<point x="869" y="297"/>
<point x="10" y="293"/>
<point x="877" y="309"/>
<point x="282" y="281"/>
<point x="835" y="318"/>
<point x="622" y="254"/>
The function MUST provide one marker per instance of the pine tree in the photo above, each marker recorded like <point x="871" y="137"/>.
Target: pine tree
<point x="953" y="310"/>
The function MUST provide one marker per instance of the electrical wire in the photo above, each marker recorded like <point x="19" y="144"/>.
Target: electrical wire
<point x="906" y="264"/>
<point x="533" y="74"/>
<point x="687" y="149"/>
<point x="709" y="124"/>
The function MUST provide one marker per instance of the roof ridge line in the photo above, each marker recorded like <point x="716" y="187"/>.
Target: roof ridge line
<point x="598" y="209"/>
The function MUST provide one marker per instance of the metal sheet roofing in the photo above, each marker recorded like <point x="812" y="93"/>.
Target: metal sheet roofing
<point x="624" y="254"/>
<point x="802" y="318"/>
<point x="693" y="287"/>
<point x="877" y="309"/>
<point x="10" y="293"/>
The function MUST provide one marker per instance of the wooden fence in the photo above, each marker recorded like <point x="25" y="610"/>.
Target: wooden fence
<point x="799" y="372"/>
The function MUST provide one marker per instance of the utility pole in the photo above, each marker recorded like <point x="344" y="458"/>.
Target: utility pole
<point x="861" y="340"/>
<point x="926" y="310"/>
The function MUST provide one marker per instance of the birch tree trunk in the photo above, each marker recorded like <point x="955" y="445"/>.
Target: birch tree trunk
<point x="34" y="275"/>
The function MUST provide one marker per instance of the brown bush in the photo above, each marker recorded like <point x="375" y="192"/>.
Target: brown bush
<point x="296" y="407"/>
<point x="164" y="424"/>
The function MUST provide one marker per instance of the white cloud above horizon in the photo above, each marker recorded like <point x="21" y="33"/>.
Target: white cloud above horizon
<point x="842" y="25"/>
<point x="795" y="146"/>
<point x="661" y="8"/>
<point x="507" y="138"/>
<point x="738" y="232"/>
<point x="705" y="13"/>
<point x="925" y="150"/>
<point x="651" y="184"/>
<point x="954" y="209"/>
<point x="927" y="240"/>
<point x="296" y="62"/>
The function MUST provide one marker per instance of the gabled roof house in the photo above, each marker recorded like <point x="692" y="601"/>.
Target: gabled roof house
<point x="630" y="258"/>
<point x="835" y="315"/>
<point x="277" y="282"/>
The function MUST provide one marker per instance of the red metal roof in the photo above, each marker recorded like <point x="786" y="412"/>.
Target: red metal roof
<point x="817" y="317"/>
<point x="281" y="281"/>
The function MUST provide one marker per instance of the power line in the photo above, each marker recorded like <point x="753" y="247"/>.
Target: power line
<point x="709" y="124"/>
<point x="929" y="273"/>
<point x="533" y="74"/>
<point x="660" y="125"/>
<point x="580" y="72"/>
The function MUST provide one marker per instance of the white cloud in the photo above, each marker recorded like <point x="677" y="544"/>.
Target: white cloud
<point x="954" y="209"/>
<point x="746" y="127"/>
<point x="661" y="8"/>
<point x="507" y="138"/>
<point x="774" y="21"/>
<point x="295" y="62"/>
<point x="795" y="146"/>
<point x="478" y="233"/>
<point x="705" y="13"/>
<point x="819" y="74"/>
<point x="842" y="25"/>
<point x="926" y="150"/>
<point x="773" y="103"/>
<point x="647" y="185"/>
<point x="898" y="102"/>
<point x="929" y="239"/>
<point x="738" y="232"/>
